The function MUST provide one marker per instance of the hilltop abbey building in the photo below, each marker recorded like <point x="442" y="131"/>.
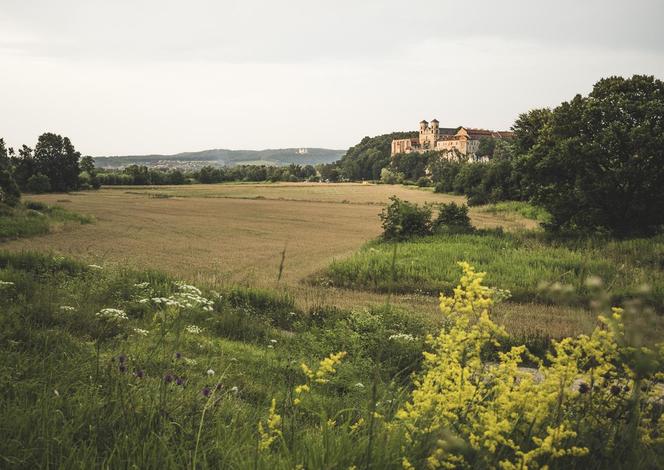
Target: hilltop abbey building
<point x="452" y="142"/>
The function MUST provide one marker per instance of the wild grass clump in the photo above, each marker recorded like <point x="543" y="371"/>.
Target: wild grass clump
<point x="522" y="208"/>
<point x="35" y="218"/>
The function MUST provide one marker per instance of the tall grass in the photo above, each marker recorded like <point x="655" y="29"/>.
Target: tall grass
<point x="524" y="209"/>
<point x="531" y="267"/>
<point x="34" y="218"/>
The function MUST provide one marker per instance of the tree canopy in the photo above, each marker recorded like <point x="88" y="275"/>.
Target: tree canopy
<point x="597" y="161"/>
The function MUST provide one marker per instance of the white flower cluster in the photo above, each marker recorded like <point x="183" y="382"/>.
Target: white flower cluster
<point x="141" y="331"/>
<point x="188" y="288"/>
<point x="112" y="314"/>
<point x="193" y="329"/>
<point x="67" y="308"/>
<point x="6" y="283"/>
<point x="94" y="266"/>
<point x="142" y="285"/>
<point x="401" y="337"/>
<point x="187" y="297"/>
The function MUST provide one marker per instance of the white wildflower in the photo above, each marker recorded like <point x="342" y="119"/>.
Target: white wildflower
<point x="141" y="331"/>
<point x="187" y="288"/>
<point x="67" y="308"/>
<point x="142" y="285"/>
<point x="210" y="372"/>
<point x="6" y="283"/>
<point x="112" y="314"/>
<point x="94" y="266"/>
<point x="359" y="385"/>
<point x="594" y="281"/>
<point x="234" y="389"/>
<point x="193" y="329"/>
<point x="401" y="337"/>
<point x="273" y="341"/>
<point x="190" y="362"/>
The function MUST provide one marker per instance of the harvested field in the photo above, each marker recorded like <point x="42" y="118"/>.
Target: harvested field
<point x="230" y="232"/>
<point x="236" y="233"/>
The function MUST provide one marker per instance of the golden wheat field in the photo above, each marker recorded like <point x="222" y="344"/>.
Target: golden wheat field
<point x="237" y="233"/>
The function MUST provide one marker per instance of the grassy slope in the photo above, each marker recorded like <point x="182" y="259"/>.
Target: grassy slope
<point x="35" y="218"/>
<point x="67" y="403"/>
<point x="518" y="262"/>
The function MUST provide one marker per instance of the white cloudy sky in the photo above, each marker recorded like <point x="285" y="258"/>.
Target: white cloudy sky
<point x="161" y="76"/>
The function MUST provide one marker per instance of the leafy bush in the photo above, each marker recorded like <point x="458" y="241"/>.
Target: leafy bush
<point x="423" y="182"/>
<point x="453" y="218"/>
<point x="9" y="192"/>
<point x="403" y="219"/>
<point x="38" y="184"/>
<point x="388" y="176"/>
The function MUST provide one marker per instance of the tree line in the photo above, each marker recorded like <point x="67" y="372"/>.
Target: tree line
<point x="53" y="165"/>
<point x="143" y="175"/>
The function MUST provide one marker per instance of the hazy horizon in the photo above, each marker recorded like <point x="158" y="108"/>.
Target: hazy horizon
<point x="161" y="77"/>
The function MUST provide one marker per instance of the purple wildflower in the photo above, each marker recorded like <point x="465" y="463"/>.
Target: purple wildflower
<point x="178" y="355"/>
<point x="206" y="391"/>
<point x="139" y="373"/>
<point x="122" y="368"/>
<point x="168" y="378"/>
<point x="122" y="358"/>
<point x="219" y="386"/>
<point x="179" y="381"/>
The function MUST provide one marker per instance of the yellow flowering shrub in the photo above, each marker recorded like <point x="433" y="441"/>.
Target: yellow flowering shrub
<point x="585" y="399"/>
<point x="272" y="429"/>
<point x="326" y="368"/>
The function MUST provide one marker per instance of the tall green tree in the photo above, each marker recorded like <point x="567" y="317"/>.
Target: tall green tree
<point x="87" y="164"/>
<point x="9" y="192"/>
<point x="56" y="157"/>
<point x="528" y="127"/>
<point x="598" y="164"/>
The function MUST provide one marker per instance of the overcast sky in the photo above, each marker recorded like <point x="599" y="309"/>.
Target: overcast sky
<point x="132" y="77"/>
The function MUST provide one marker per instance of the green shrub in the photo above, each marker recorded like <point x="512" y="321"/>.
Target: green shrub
<point x="453" y="218"/>
<point x="35" y="205"/>
<point x="388" y="176"/>
<point x="403" y="219"/>
<point x="423" y="182"/>
<point x="38" y="184"/>
<point x="9" y="192"/>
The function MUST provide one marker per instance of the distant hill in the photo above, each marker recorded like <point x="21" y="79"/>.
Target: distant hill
<point x="313" y="156"/>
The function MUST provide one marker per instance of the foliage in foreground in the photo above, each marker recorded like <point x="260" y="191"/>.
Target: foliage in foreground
<point x="593" y="403"/>
<point x="105" y="367"/>
<point x="112" y="368"/>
